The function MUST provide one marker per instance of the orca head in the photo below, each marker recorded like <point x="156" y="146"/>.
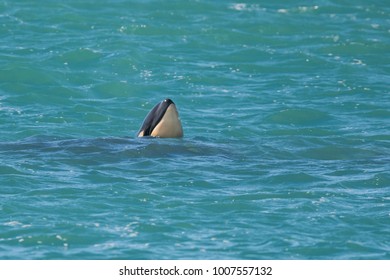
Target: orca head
<point x="162" y="121"/>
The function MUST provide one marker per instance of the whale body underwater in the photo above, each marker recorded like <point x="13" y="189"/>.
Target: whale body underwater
<point x="162" y="121"/>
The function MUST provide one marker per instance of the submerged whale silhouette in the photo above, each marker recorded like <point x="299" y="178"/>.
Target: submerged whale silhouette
<point x="162" y="121"/>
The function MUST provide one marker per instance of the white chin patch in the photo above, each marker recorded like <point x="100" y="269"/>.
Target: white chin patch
<point x="170" y="125"/>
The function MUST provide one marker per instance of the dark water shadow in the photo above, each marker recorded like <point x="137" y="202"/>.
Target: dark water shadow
<point x="112" y="148"/>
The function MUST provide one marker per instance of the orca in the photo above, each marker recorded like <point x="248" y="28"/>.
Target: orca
<point x="162" y="121"/>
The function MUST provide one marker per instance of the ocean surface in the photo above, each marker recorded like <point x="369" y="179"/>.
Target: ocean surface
<point x="285" y="107"/>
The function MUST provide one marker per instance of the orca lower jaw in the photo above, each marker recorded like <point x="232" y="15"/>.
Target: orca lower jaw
<point x="170" y="125"/>
<point x="162" y="121"/>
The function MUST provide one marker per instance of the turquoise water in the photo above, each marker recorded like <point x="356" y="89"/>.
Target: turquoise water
<point x="285" y="107"/>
